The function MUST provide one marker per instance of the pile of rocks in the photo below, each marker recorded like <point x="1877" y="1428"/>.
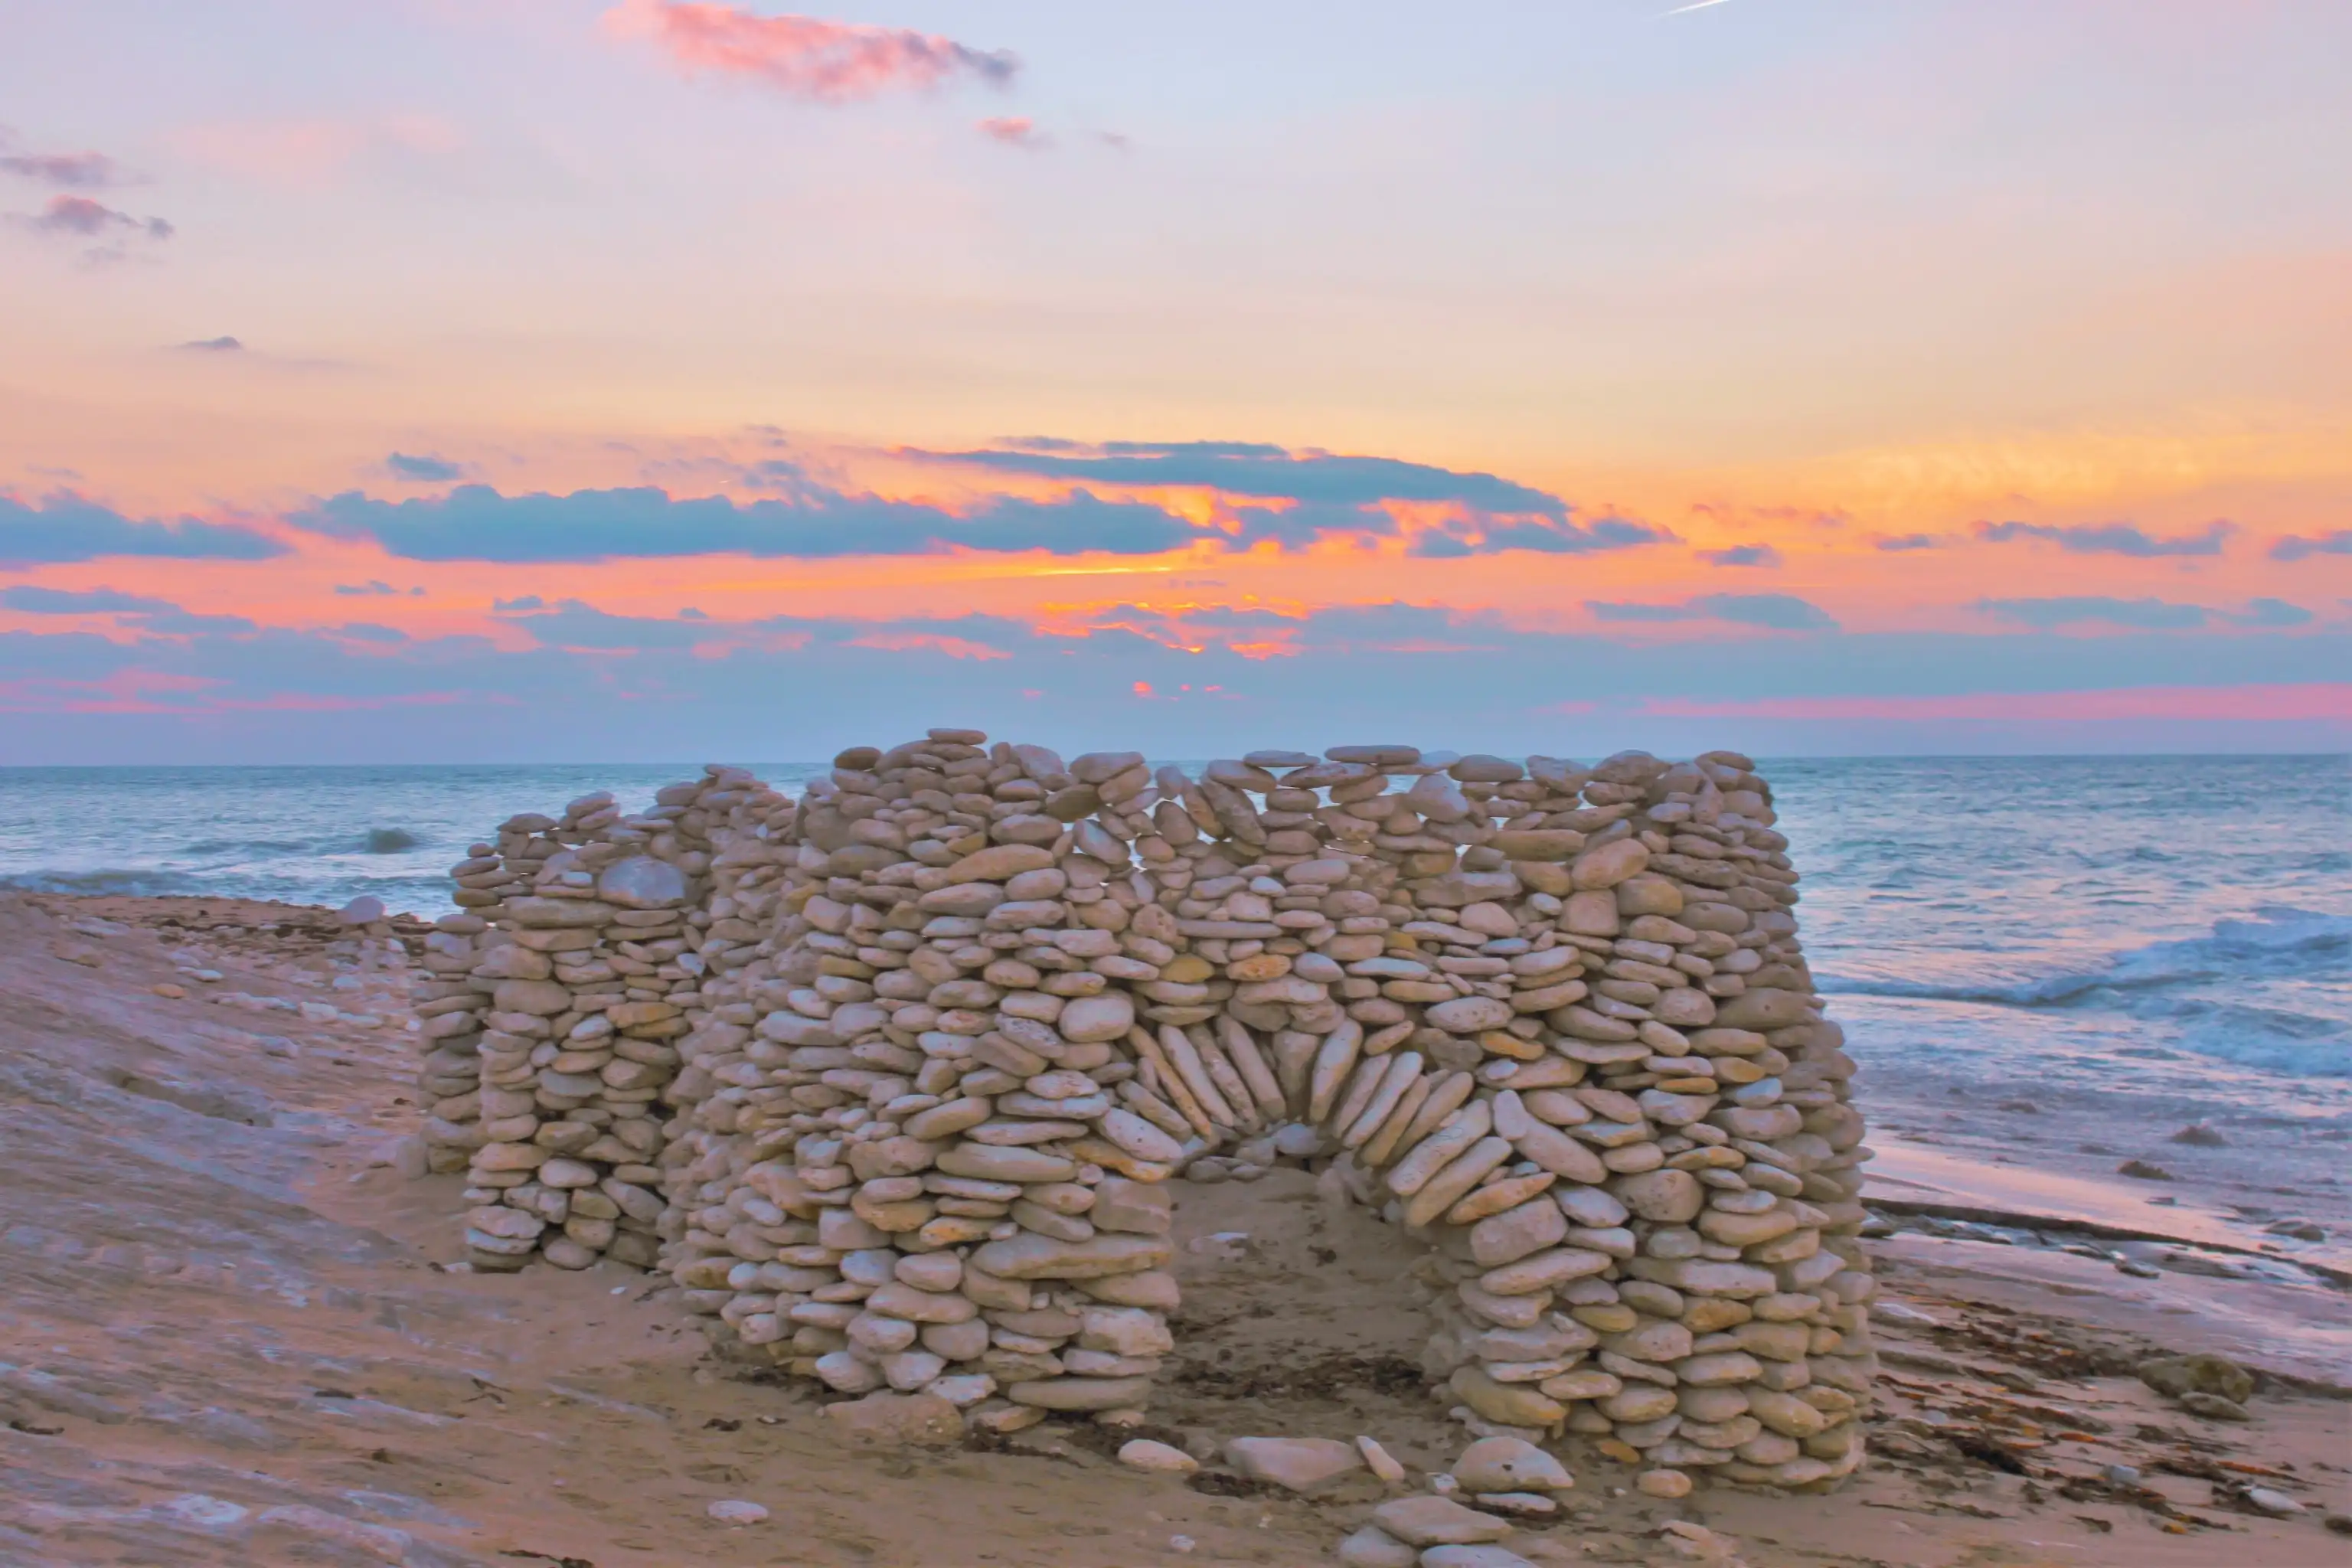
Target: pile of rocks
<point x="975" y="1006"/>
<point x="552" y="1005"/>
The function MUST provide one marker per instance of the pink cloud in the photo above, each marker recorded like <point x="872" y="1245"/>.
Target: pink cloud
<point x="85" y="171"/>
<point x="1015" y="131"/>
<point x="804" y="56"/>
<point x="2303" y="701"/>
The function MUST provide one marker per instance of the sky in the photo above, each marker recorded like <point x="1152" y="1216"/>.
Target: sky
<point x="647" y="380"/>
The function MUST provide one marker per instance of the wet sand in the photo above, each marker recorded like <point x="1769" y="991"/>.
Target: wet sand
<point x="229" y="1334"/>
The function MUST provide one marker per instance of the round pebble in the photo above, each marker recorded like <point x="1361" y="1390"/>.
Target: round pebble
<point x="1663" y="1483"/>
<point x="735" y="1511"/>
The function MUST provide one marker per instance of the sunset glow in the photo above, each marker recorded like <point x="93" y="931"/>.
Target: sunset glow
<point x="456" y="370"/>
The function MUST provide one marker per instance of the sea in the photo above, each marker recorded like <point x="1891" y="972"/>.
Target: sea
<point x="2017" y="919"/>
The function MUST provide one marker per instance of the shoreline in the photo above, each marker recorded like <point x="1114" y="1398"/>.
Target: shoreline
<point x="233" y="1169"/>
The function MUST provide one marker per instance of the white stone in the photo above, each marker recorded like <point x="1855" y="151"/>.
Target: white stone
<point x="1301" y="1464"/>
<point x="1143" y="1454"/>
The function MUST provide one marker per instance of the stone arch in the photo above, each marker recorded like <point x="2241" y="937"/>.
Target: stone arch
<point x="893" y="1080"/>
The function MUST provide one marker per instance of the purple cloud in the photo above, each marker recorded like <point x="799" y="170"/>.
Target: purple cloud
<point x="1773" y="612"/>
<point x="423" y="470"/>
<point x="1742" y="555"/>
<point x="64" y="527"/>
<point x="2296" y="547"/>
<point x="2111" y="538"/>
<point x="30" y="600"/>
<point x="72" y="171"/>
<point x="80" y="216"/>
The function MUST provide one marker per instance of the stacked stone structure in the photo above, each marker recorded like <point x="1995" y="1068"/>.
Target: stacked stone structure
<point x="894" y="1080"/>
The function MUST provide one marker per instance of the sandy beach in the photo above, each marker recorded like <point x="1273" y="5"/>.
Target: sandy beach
<point x="235" y="1336"/>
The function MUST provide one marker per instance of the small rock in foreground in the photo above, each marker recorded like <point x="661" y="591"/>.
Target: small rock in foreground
<point x="1473" y="1557"/>
<point x="735" y="1511"/>
<point x="1372" y="1547"/>
<point x="1382" y="1463"/>
<point x="2179" y="1375"/>
<point x="1510" y="1465"/>
<point x="1143" y="1454"/>
<point x="1299" y="1464"/>
<point x="1438" y="1522"/>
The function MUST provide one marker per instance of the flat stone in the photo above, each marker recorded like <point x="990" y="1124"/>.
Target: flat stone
<point x="1510" y="1465"/>
<point x="1512" y="1405"/>
<point x="1516" y="1233"/>
<point x="1299" y="1464"/>
<point x="1080" y="1392"/>
<point x="1547" y="844"/>
<point x="735" y="1511"/>
<point x="1033" y="1256"/>
<point x="1143" y="1454"/>
<point x="1001" y="862"/>
<point x="1372" y="1547"/>
<point x="1470" y="1014"/>
<point x="1438" y="1522"/>
<point x="642" y="882"/>
<point x="1473" y="1557"/>
<point x="1610" y="863"/>
<point x="1008" y="1162"/>
<point x="1763" y="1008"/>
<point x="1105" y="1017"/>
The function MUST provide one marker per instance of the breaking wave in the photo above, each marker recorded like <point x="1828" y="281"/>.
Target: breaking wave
<point x="2275" y="943"/>
<point x="2239" y="994"/>
<point x="244" y="849"/>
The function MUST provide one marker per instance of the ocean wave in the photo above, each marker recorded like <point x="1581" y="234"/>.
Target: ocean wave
<point x="208" y="849"/>
<point x="2277" y="942"/>
<point x="389" y="841"/>
<point x="2273" y="1039"/>
<point x="143" y="884"/>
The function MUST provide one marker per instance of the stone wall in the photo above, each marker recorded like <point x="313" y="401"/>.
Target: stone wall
<point x="933" y="1044"/>
<point x="555" y="1005"/>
